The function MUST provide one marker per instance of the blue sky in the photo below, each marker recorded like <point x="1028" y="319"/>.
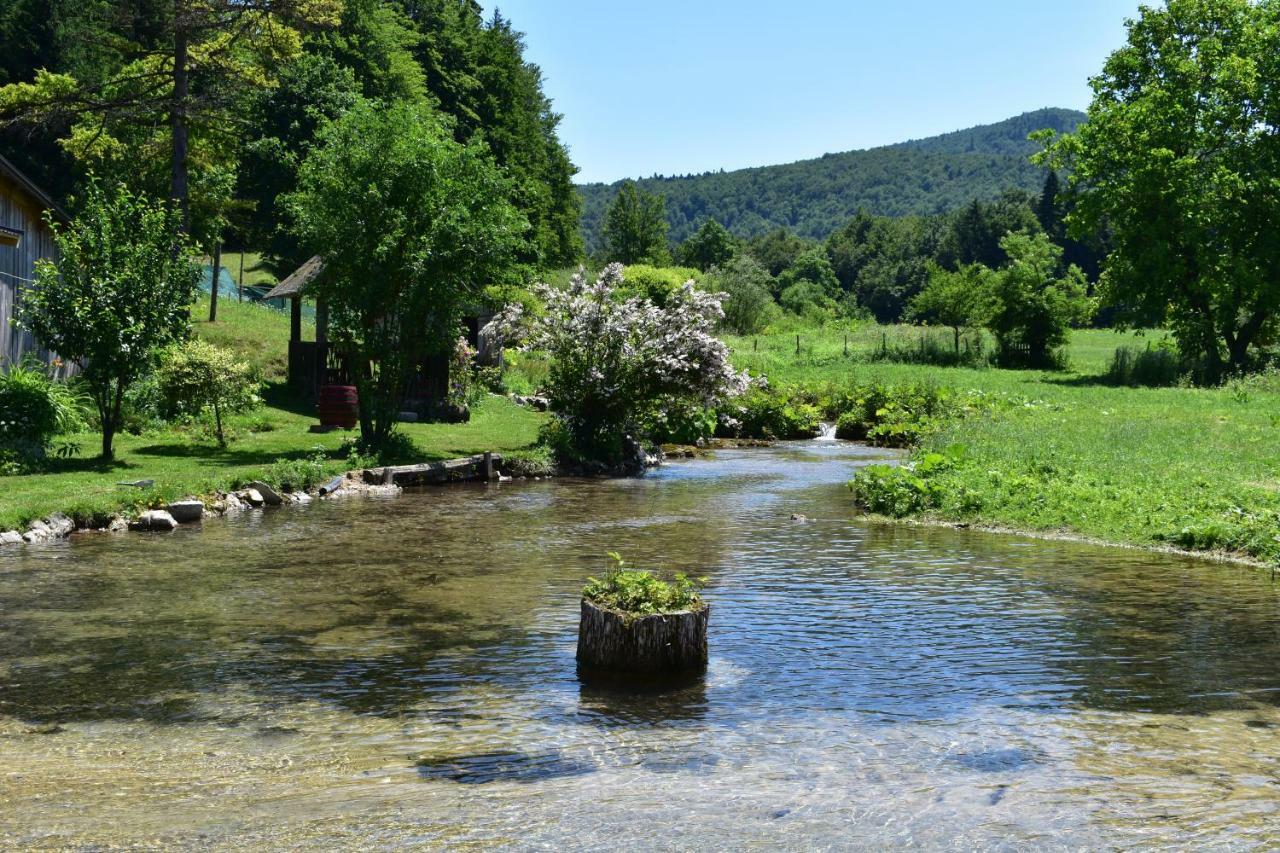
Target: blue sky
<point x="658" y="86"/>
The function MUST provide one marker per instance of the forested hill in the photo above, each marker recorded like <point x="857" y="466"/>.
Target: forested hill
<point x="814" y="197"/>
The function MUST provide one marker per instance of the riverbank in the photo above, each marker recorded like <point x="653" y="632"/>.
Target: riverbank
<point x="271" y="443"/>
<point x="1065" y="454"/>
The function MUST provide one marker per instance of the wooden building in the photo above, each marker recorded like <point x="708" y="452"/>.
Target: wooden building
<point x="313" y="364"/>
<point x="24" y="239"/>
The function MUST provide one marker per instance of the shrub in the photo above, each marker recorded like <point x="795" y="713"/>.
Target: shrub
<point x="1156" y="366"/>
<point x="655" y="283"/>
<point x="299" y="475"/>
<point x="615" y="360"/>
<point x="890" y="415"/>
<point x="681" y="424"/>
<point x="642" y="593"/>
<point x="34" y="409"/>
<point x="904" y="490"/>
<point x="195" y="377"/>
<point x="748" y="299"/>
<point x="767" y="413"/>
<point x="808" y="299"/>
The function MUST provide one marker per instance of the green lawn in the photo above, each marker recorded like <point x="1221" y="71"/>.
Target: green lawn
<point x="1198" y="468"/>
<point x="188" y="462"/>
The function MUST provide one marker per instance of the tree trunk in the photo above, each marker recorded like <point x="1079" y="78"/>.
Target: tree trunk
<point x="663" y="644"/>
<point x="178" y="118"/>
<point x="217" y="276"/>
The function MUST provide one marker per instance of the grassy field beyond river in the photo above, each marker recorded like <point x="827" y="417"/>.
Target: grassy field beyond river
<point x="1195" y="468"/>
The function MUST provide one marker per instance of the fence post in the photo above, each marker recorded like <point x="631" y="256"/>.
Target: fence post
<point x="755" y="345"/>
<point x="846" y="344"/>
<point x="797" y="344"/>
<point x="488" y="465"/>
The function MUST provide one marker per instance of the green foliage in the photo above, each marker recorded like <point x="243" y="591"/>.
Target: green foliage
<point x="777" y="250"/>
<point x="1152" y="366"/>
<point x="635" y="228"/>
<point x="638" y="592"/>
<point x="710" y="246"/>
<point x="748" y="304"/>
<point x="902" y="490"/>
<point x="809" y="300"/>
<point x="953" y="298"/>
<point x="118" y="291"/>
<point x="769" y="413"/>
<point x="1178" y="161"/>
<point x="1030" y="308"/>
<point x="301" y="475"/>
<point x="34" y="410"/>
<point x="815" y="197"/>
<point x="196" y="377"/>
<point x="883" y="262"/>
<point x="681" y="423"/>
<point x="811" y="267"/>
<point x="655" y="283"/>
<point x="891" y="415"/>
<point x="436" y="229"/>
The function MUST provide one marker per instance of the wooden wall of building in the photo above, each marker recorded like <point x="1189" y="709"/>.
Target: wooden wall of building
<point x="17" y="266"/>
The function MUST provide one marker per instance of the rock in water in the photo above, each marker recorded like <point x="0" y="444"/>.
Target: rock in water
<point x="269" y="495"/>
<point x="154" y="520"/>
<point x="610" y="642"/>
<point x="186" y="511"/>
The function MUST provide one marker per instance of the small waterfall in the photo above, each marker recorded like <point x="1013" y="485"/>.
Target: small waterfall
<point x="826" y="432"/>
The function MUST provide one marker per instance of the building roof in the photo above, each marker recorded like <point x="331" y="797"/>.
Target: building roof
<point x="12" y="172"/>
<point x="291" y="287"/>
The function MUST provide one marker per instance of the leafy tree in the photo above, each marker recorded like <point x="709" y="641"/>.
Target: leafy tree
<point x="1027" y="305"/>
<point x="1178" y="160"/>
<point x="195" y="377"/>
<point x="161" y="80"/>
<point x="284" y="120"/>
<point x="748" y="294"/>
<point x="953" y="298"/>
<point x="883" y="262"/>
<point x="777" y="249"/>
<point x="435" y="229"/>
<point x="635" y="229"/>
<point x="119" y="290"/>
<point x="814" y="268"/>
<point x="808" y="299"/>
<point x="709" y="247"/>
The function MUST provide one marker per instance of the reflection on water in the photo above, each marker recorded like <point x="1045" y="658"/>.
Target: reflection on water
<point x="372" y="673"/>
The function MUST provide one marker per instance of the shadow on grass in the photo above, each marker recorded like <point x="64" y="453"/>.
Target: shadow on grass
<point x="228" y="455"/>
<point x="279" y="395"/>
<point x="90" y="465"/>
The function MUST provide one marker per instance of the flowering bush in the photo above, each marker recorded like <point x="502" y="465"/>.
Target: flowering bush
<point x="616" y="361"/>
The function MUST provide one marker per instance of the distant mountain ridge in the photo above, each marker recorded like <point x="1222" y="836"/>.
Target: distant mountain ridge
<point x="814" y="197"/>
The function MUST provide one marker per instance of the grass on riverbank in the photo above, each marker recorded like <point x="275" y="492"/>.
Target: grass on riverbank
<point x="1196" y="468"/>
<point x="185" y="461"/>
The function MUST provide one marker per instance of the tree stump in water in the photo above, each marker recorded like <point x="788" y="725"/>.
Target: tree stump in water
<point x="611" y="642"/>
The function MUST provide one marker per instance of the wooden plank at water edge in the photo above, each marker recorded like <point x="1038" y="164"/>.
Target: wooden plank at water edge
<point x="431" y="473"/>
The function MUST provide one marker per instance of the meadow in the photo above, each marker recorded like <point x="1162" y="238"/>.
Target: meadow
<point x="1067" y="453"/>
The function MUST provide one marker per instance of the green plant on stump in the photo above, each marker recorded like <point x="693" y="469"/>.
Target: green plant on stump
<point x="638" y="592"/>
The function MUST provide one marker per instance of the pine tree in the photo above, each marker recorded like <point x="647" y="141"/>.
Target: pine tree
<point x="635" y="228"/>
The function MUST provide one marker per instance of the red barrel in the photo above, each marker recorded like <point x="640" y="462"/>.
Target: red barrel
<point x="339" y="406"/>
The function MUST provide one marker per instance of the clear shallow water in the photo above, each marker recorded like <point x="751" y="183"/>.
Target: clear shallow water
<point x="382" y="673"/>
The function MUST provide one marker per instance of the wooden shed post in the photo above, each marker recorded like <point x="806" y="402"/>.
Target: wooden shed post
<point x="295" y="319"/>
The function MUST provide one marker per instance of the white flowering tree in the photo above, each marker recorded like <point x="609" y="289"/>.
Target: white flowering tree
<point x="616" y="361"/>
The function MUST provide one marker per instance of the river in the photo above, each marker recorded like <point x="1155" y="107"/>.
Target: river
<point x="373" y="673"/>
